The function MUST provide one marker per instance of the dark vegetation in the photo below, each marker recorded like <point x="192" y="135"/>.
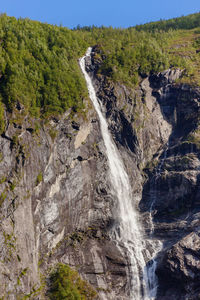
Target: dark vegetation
<point x="39" y="68"/>
<point x="65" y="283"/>
<point x="185" y="22"/>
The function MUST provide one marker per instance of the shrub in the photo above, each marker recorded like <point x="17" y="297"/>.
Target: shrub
<point x="65" y="283"/>
<point x="39" y="178"/>
<point x="2" y="198"/>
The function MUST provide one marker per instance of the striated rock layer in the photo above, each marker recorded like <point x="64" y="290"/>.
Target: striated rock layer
<point x="55" y="201"/>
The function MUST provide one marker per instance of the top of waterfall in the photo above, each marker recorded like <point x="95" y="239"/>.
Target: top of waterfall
<point x="88" y="52"/>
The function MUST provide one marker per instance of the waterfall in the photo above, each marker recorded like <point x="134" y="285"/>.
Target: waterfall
<point x="127" y="231"/>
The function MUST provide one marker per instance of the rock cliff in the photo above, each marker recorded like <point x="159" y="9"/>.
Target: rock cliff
<point x="55" y="203"/>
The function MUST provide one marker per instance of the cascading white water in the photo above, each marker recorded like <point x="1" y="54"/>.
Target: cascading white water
<point x="127" y="231"/>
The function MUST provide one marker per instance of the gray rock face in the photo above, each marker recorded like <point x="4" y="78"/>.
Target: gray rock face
<point x="173" y="188"/>
<point x="181" y="268"/>
<point x="56" y="206"/>
<point x="55" y="201"/>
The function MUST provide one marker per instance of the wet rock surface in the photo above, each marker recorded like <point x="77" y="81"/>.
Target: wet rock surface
<point x="55" y="199"/>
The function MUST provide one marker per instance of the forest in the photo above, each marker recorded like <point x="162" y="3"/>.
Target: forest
<point x="185" y="22"/>
<point x="39" y="62"/>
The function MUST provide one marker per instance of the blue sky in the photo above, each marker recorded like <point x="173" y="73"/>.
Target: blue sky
<point x="117" y="13"/>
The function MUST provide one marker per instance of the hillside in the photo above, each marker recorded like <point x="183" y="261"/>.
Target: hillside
<point x="58" y="209"/>
<point x="39" y="65"/>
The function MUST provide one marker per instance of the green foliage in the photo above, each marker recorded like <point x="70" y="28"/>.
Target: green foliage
<point x="186" y="22"/>
<point x="2" y="198"/>
<point x="194" y="137"/>
<point x="66" y="284"/>
<point x="39" y="178"/>
<point x="12" y="185"/>
<point x="39" y="68"/>
<point x="9" y="245"/>
<point x="15" y="140"/>
<point x="21" y="275"/>
<point x="3" y="179"/>
<point x="130" y="54"/>
<point x="127" y="55"/>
